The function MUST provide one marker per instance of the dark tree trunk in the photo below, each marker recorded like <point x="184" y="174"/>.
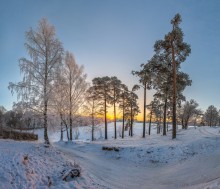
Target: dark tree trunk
<point x="150" y="121"/>
<point x="93" y="131"/>
<point x="67" y="133"/>
<point x="174" y="92"/>
<point x="187" y="122"/>
<point x="158" y="127"/>
<point x="160" y="121"/>
<point x="61" y="131"/>
<point x="115" y="116"/>
<point x="105" y="109"/>
<point x="182" y="121"/>
<point x="131" y="125"/>
<point x="165" y="117"/>
<point x="123" y="123"/>
<point x="71" y="129"/>
<point x="144" y="116"/>
<point x="93" y="122"/>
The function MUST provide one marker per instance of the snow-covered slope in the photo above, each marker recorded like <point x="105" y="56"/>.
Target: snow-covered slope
<point x="29" y="165"/>
<point x="190" y="161"/>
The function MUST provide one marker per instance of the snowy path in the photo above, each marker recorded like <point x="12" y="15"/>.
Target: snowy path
<point x="112" y="173"/>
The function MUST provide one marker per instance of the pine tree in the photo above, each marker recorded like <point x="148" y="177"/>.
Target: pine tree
<point x="145" y="79"/>
<point x="102" y="90"/>
<point x="115" y="87"/>
<point x="130" y="109"/>
<point x="134" y="109"/>
<point x="122" y="105"/>
<point x="162" y="79"/>
<point x="161" y="83"/>
<point x="153" y="108"/>
<point x="175" y="49"/>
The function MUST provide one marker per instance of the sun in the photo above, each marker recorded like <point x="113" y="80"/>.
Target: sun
<point x="110" y="116"/>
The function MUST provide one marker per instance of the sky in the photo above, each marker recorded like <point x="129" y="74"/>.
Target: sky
<point x="113" y="37"/>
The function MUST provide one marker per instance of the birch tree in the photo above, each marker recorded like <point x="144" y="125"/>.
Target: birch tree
<point x="60" y="103"/>
<point x="92" y="109"/>
<point x="76" y="86"/>
<point x="211" y="116"/>
<point x="189" y="109"/>
<point x="45" y="54"/>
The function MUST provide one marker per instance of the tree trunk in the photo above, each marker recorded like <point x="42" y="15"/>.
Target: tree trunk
<point x="158" y="127"/>
<point x="194" y="124"/>
<point x="93" y="128"/>
<point x="61" y="131"/>
<point x="150" y="121"/>
<point x="144" y="116"/>
<point x="129" y="131"/>
<point x="67" y="131"/>
<point x="71" y="127"/>
<point x="71" y="131"/>
<point x="123" y="123"/>
<point x="160" y="121"/>
<point x="70" y="110"/>
<point x="187" y="122"/>
<point x="115" y="116"/>
<point x="93" y="122"/>
<point x="165" y="117"/>
<point x="46" y="139"/>
<point x="131" y="124"/>
<point x="105" y="109"/>
<point x="174" y="92"/>
<point x="182" y="121"/>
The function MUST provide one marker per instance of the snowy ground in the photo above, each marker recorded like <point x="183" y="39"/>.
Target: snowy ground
<point x="190" y="161"/>
<point x="42" y="168"/>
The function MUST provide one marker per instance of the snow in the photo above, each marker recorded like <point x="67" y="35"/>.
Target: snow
<point x="190" y="161"/>
<point x="42" y="165"/>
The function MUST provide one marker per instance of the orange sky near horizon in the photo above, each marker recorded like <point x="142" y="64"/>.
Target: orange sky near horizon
<point x="110" y="114"/>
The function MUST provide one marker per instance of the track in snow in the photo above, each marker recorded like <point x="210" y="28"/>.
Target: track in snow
<point x="118" y="174"/>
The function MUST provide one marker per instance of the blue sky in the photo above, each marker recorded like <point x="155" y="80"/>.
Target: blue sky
<point x="113" y="37"/>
